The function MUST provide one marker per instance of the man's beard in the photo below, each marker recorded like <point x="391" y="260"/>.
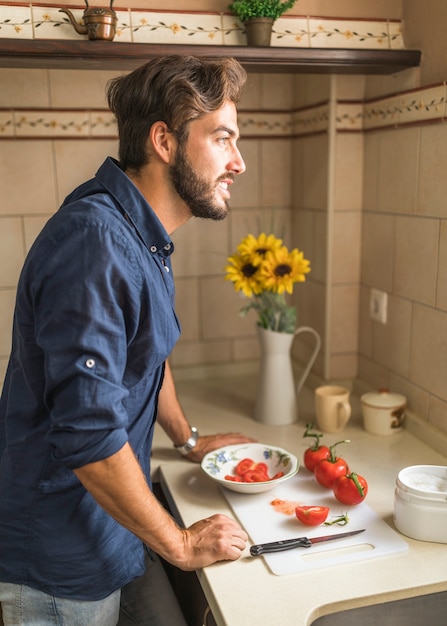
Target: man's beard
<point x="195" y="191"/>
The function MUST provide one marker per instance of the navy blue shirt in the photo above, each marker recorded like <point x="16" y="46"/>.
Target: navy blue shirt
<point x="94" y="323"/>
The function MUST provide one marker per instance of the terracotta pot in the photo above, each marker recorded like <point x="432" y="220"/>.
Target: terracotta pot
<point x="259" y="31"/>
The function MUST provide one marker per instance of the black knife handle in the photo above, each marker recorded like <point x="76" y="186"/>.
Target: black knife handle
<point x="279" y="546"/>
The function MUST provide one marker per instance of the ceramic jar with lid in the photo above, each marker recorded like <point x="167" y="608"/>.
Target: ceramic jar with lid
<point x="383" y="412"/>
<point x="420" y="502"/>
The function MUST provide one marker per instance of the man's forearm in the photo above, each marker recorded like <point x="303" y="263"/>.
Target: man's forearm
<point x="172" y="419"/>
<point x="119" y="486"/>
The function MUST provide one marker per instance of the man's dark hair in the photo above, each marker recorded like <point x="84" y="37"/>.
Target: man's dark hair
<point x="175" y="90"/>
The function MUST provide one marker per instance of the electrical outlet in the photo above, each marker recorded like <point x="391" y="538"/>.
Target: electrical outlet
<point x="378" y="305"/>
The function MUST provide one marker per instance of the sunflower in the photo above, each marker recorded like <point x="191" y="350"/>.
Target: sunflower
<point x="282" y="268"/>
<point x="244" y="273"/>
<point x="264" y="270"/>
<point x="258" y="247"/>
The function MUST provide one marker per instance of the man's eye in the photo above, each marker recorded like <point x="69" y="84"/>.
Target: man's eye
<point x="223" y="140"/>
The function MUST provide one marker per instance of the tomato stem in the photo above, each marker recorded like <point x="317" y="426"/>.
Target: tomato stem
<point x="341" y="520"/>
<point x="316" y="436"/>
<point x="332" y="456"/>
<point x="354" y="477"/>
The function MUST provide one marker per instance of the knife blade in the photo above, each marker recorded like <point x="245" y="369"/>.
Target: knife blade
<point x="298" y="542"/>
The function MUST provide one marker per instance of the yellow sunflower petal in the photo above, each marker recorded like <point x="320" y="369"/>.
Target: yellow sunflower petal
<point x="243" y="274"/>
<point x="257" y="247"/>
<point x="283" y="268"/>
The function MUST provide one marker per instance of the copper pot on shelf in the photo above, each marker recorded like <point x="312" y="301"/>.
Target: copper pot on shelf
<point x="98" y="23"/>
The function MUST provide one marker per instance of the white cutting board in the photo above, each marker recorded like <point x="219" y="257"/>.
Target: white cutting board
<point x="263" y="523"/>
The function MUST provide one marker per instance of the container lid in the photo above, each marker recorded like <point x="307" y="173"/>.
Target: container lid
<point x="425" y="481"/>
<point x="383" y="399"/>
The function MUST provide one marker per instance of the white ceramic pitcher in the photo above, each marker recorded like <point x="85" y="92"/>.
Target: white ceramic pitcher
<point x="276" y="399"/>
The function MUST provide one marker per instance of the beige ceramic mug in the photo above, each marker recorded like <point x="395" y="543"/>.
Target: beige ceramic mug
<point x="332" y="408"/>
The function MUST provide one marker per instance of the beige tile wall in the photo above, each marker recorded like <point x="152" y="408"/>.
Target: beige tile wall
<point x="404" y="252"/>
<point x="309" y="201"/>
<point x="382" y="223"/>
<point x="37" y="173"/>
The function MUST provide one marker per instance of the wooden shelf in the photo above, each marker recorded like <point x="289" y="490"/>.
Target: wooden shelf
<point x="106" y="55"/>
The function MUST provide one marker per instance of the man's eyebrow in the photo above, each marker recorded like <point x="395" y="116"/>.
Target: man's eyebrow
<point x="225" y="129"/>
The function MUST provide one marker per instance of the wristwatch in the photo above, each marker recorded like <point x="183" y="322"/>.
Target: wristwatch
<point x="190" y="444"/>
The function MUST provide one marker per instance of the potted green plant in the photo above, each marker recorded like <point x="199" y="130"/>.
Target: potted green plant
<point x="261" y="14"/>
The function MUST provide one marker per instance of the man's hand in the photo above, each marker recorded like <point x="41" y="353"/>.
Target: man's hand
<point x="209" y="443"/>
<point x="216" y="538"/>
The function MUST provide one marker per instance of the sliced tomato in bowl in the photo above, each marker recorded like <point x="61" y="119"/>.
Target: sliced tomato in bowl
<point x="243" y="466"/>
<point x="255" y="476"/>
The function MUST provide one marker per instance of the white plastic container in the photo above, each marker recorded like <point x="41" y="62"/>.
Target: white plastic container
<point x="420" y="502"/>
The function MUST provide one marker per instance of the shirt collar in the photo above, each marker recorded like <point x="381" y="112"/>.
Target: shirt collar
<point x="150" y="229"/>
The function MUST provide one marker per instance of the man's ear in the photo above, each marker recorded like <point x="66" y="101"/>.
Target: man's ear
<point x="162" y="141"/>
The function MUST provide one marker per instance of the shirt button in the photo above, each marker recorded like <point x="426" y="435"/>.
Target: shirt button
<point x="90" y="363"/>
<point x="168" y="246"/>
<point x="153" y="248"/>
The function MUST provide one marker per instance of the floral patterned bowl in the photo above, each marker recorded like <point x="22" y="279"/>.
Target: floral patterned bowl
<point x="222" y="463"/>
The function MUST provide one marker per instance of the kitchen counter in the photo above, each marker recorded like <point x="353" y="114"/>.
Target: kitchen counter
<point x="240" y="592"/>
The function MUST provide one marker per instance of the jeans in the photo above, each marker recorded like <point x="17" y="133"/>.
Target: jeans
<point x="25" y="606"/>
<point x="145" y="601"/>
<point x="150" y="599"/>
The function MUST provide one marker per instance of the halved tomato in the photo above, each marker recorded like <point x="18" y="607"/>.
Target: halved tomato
<point x="312" y="515"/>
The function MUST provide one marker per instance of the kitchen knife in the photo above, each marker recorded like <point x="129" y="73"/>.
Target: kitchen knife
<point x="298" y="542"/>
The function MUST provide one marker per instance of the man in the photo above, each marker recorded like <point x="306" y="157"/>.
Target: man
<point x="93" y="327"/>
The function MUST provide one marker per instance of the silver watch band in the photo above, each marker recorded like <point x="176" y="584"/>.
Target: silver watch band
<point x="190" y="444"/>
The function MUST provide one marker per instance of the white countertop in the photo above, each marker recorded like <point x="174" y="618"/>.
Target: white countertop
<point x="226" y="404"/>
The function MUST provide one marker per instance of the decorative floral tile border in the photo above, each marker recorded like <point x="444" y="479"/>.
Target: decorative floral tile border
<point x="172" y="28"/>
<point x="349" y="116"/>
<point x="265" y="124"/>
<point x="53" y="123"/>
<point x="212" y="28"/>
<point x="415" y="106"/>
<point x="311" y="120"/>
<point x="6" y="125"/>
<point x="16" y="22"/>
<point x="334" y="33"/>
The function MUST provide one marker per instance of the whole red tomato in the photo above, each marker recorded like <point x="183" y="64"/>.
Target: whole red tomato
<point x="312" y="515"/>
<point x="350" y="488"/>
<point x="314" y="453"/>
<point x="327" y="470"/>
